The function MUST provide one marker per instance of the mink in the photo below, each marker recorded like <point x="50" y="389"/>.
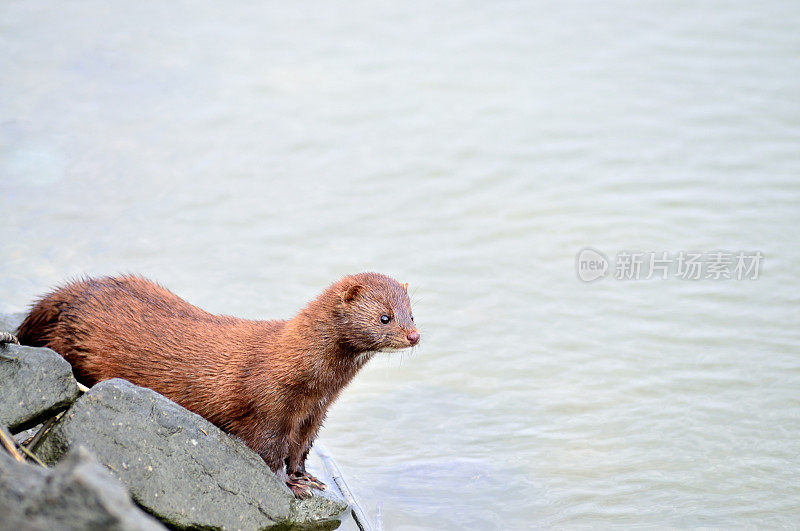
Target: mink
<point x="269" y="383"/>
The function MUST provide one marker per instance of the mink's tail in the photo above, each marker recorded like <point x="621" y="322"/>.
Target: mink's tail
<point x="38" y="327"/>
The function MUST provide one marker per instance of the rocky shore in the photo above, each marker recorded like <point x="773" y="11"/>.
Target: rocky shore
<point x="124" y="457"/>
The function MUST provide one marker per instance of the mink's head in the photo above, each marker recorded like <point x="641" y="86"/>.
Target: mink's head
<point x="374" y="313"/>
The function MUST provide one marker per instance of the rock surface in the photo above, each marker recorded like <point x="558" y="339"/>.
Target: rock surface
<point x="36" y="384"/>
<point x="177" y="465"/>
<point x="77" y="494"/>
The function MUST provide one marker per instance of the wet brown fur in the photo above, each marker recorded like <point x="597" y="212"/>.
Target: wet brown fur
<point x="268" y="382"/>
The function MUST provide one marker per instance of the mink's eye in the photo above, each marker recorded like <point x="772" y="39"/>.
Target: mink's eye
<point x="385" y="319"/>
<point x="412" y="317"/>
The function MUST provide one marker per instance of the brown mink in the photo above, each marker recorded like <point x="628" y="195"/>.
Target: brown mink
<point x="268" y="382"/>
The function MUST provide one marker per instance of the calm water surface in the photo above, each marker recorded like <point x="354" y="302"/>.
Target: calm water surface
<point x="246" y="156"/>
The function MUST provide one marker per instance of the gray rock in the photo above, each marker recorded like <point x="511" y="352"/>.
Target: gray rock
<point x="36" y="384"/>
<point x="78" y="494"/>
<point x="309" y="509"/>
<point x="177" y="465"/>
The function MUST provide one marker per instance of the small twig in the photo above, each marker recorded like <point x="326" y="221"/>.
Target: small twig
<point x="82" y="388"/>
<point x="32" y="456"/>
<point x="332" y="468"/>
<point x="10" y="444"/>
<point x="33" y="441"/>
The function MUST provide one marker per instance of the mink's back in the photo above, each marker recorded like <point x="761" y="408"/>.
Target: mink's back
<point x="129" y="327"/>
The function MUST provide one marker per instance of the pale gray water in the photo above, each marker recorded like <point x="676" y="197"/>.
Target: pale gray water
<point x="246" y="156"/>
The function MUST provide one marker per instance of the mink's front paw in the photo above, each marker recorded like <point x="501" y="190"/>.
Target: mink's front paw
<point x="300" y="488"/>
<point x="308" y="479"/>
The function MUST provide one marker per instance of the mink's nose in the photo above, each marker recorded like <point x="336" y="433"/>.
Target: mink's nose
<point x="413" y="337"/>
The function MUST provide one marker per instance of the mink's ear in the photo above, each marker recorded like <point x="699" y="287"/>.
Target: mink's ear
<point x="405" y="286"/>
<point x="351" y="292"/>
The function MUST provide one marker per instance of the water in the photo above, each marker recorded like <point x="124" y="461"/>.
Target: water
<point x="246" y="156"/>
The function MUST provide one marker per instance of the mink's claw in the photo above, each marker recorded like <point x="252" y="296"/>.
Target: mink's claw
<point x="314" y="482"/>
<point x="307" y="479"/>
<point x="299" y="488"/>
